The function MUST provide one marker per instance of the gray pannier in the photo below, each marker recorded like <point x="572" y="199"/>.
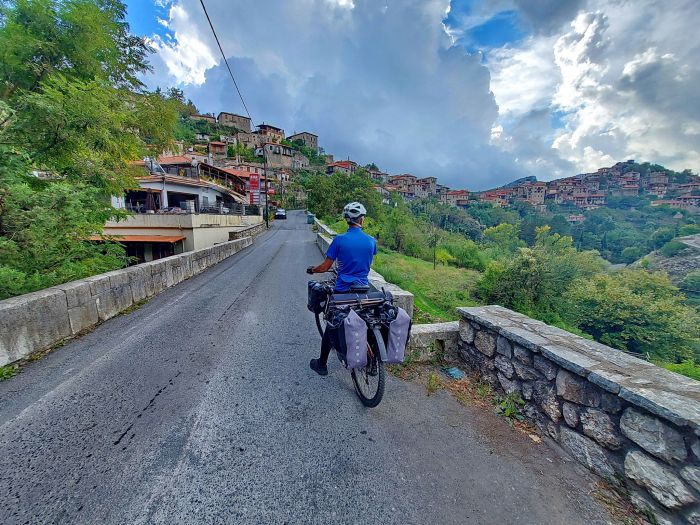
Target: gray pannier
<point x="397" y="336"/>
<point x="354" y="333"/>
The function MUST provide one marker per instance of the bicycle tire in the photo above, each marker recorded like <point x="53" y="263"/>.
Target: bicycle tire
<point x="360" y="376"/>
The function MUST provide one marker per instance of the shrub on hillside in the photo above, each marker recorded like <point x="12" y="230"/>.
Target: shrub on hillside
<point x="467" y="254"/>
<point x="672" y="248"/>
<point x="635" y="310"/>
<point x="631" y="254"/>
<point x="691" y="282"/>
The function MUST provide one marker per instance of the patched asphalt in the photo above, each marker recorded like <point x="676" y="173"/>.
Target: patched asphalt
<point x="200" y="408"/>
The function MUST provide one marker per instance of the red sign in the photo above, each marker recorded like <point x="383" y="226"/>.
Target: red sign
<point x="254" y="182"/>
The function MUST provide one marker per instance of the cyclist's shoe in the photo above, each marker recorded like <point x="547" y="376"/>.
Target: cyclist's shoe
<point x="317" y="367"/>
<point x="373" y="369"/>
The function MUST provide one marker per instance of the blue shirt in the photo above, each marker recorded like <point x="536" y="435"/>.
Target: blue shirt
<point x="353" y="252"/>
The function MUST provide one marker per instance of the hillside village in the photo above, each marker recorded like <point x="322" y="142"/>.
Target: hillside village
<point x="235" y="178"/>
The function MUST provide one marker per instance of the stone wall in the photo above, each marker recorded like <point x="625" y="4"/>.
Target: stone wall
<point x="252" y="231"/>
<point x="627" y="420"/>
<point x="36" y="321"/>
<point x="402" y="298"/>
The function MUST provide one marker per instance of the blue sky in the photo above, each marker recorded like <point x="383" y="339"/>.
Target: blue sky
<point x="475" y="92"/>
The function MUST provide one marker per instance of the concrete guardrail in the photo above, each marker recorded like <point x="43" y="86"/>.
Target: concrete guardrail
<point x="36" y="321"/>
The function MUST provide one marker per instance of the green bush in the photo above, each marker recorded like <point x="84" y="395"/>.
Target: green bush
<point x="637" y="311"/>
<point x="631" y="254"/>
<point x="687" y="368"/>
<point x="672" y="248"/>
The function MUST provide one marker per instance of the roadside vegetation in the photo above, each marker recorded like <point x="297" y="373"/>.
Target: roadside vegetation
<point x="541" y="273"/>
<point x="73" y="116"/>
<point x="437" y="291"/>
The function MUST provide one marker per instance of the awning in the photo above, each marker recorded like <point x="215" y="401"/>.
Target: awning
<point x="138" y="238"/>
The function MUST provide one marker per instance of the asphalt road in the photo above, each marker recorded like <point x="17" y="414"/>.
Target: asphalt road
<point x="200" y="408"/>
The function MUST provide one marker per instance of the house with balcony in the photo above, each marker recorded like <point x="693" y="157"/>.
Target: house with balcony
<point x="269" y="133"/>
<point x="180" y="207"/>
<point x="405" y="184"/>
<point x="458" y="198"/>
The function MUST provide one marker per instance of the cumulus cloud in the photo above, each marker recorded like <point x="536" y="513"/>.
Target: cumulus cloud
<point x="186" y="55"/>
<point x="623" y="82"/>
<point x="378" y="81"/>
<point x="592" y="82"/>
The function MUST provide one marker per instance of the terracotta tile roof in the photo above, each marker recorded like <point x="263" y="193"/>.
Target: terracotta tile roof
<point x="176" y="159"/>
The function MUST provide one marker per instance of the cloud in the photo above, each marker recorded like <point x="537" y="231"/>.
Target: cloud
<point x="378" y="81"/>
<point x="386" y="81"/>
<point x="622" y="82"/>
<point x="185" y="55"/>
<point x="546" y="16"/>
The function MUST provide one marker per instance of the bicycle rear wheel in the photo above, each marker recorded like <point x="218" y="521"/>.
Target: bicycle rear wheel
<point x="369" y="381"/>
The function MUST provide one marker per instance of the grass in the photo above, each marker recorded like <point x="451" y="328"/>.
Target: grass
<point x="437" y="292"/>
<point x="8" y="371"/>
<point x="434" y="383"/>
<point x="687" y="368"/>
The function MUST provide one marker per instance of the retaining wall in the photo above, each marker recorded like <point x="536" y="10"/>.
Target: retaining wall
<point x="36" y="321"/>
<point x="402" y="298"/>
<point x="627" y="420"/>
<point x="252" y="231"/>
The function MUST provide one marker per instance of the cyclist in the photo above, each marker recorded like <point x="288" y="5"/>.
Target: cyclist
<point x="353" y="252"/>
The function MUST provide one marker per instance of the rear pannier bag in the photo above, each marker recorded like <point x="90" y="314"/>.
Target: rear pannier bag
<point x="397" y="338"/>
<point x="352" y="338"/>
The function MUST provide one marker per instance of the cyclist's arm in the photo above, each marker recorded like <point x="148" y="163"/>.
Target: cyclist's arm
<point x="323" y="267"/>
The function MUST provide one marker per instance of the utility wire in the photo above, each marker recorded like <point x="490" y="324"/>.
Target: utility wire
<point x="224" y="57"/>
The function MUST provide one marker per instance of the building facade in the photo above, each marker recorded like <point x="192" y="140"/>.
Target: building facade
<point x="309" y="139"/>
<point x="235" y="121"/>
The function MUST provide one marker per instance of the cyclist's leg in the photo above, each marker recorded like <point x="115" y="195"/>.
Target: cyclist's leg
<point x="326" y="345"/>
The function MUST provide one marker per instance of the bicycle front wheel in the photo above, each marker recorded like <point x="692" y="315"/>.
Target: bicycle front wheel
<point x="369" y="381"/>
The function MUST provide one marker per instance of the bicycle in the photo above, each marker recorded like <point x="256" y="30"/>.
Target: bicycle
<point x="369" y="381"/>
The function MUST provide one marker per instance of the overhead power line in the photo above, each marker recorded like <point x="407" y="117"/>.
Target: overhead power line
<point x="224" y="57"/>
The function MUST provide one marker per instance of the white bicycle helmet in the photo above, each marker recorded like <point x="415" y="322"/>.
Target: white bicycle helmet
<point x="354" y="211"/>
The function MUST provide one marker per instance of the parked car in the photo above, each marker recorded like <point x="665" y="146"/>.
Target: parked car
<point x="280" y="213"/>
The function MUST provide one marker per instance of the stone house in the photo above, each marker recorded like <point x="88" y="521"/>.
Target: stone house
<point x="270" y="133"/>
<point x="426" y="187"/>
<point x="234" y="120"/>
<point x="280" y="156"/>
<point x="218" y="149"/>
<point x="342" y="166"/>
<point x="459" y="198"/>
<point x="406" y="185"/>
<point x="309" y="139"/>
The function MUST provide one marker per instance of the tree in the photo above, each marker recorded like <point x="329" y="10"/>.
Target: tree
<point x="631" y="254"/>
<point x="637" y="311"/>
<point x="688" y="229"/>
<point x="444" y="257"/>
<point x="504" y="238"/>
<point x="536" y="279"/>
<point x="661" y="237"/>
<point x="72" y="117"/>
<point x="691" y="283"/>
<point x="529" y="226"/>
